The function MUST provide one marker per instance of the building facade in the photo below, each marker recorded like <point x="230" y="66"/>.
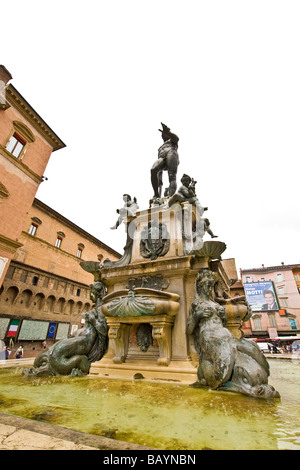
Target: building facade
<point x="45" y="291"/>
<point x="26" y="144"/>
<point x="274" y="295"/>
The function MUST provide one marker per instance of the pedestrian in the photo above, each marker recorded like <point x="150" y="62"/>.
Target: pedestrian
<point x="7" y="352"/>
<point x="19" y="352"/>
<point x="44" y="344"/>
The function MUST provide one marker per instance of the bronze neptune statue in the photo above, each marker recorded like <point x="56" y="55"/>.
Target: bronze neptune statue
<point x="168" y="160"/>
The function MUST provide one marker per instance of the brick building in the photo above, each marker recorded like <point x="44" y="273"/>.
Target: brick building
<point x="45" y="290"/>
<point x="26" y="144"/>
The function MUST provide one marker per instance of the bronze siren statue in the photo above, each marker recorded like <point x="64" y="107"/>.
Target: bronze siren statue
<point x="168" y="160"/>
<point x="225" y="362"/>
<point x="75" y="354"/>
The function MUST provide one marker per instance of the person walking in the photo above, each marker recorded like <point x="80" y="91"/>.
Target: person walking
<point x="19" y="352"/>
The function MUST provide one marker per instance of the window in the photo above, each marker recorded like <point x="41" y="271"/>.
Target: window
<point x="33" y="228"/>
<point x="15" y="145"/>
<point x="284" y="302"/>
<point x="297" y="277"/>
<point x="279" y="277"/>
<point x="58" y="242"/>
<point x="272" y="321"/>
<point x="79" y="250"/>
<point x="281" y="290"/>
<point x="78" y="292"/>
<point x="34" y="281"/>
<point x="257" y="323"/>
<point x="293" y="324"/>
<point x="248" y="279"/>
<point x="59" y="239"/>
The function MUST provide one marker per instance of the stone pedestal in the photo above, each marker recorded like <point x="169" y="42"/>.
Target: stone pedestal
<point x="163" y="258"/>
<point x="119" y="331"/>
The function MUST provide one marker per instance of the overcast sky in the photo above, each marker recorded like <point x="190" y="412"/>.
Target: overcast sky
<point x="223" y="75"/>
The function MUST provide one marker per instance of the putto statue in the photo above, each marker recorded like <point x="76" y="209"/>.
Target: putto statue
<point x="187" y="193"/>
<point x="225" y="362"/>
<point x="73" y="356"/>
<point x="128" y="210"/>
<point x="168" y="160"/>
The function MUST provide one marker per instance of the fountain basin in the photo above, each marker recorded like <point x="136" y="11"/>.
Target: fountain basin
<point x="164" y="415"/>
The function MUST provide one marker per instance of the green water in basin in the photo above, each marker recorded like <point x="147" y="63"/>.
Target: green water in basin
<point x="161" y="415"/>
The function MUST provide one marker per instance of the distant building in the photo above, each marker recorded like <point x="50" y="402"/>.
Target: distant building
<point x="274" y="295"/>
<point x="26" y="144"/>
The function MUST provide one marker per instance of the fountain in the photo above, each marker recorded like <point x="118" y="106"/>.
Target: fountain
<point x="163" y="310"/>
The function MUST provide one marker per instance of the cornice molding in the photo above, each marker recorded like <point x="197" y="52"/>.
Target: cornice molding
<point x="9" y="245"/>
<point x="17" y="100"/>
<point x="285" y="267"/>
<point x="19" y="164"/>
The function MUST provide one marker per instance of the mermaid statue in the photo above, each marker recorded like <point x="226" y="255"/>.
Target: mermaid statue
<point x="74" y="355"/>
<point x="225" y="362"/>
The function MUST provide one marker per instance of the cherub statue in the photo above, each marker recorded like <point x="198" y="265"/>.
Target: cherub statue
<point x="187" y="193"/>
<point x="128" y="210"/>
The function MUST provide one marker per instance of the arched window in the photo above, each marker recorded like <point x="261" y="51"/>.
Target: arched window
<point x="35" y="222"/>
<point x="80" y="250"/>
<point x="59" y="239"/>
<point x="21" y="136"/>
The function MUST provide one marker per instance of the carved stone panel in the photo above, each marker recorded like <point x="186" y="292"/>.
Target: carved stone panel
<point x="155" y="240"/>
<point x="151" y="282"/>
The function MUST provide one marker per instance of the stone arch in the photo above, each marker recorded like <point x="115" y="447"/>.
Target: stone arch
<point x="10" y="295"/>
<point x="70" y="307"/>
<point x="60" y="304"/>
<point x="25" y="298"/>
<point x="39" y="301"/>
<point x="86" y="307"/>
<point x="78" y="308"/>
<point x="49" y="304"/>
